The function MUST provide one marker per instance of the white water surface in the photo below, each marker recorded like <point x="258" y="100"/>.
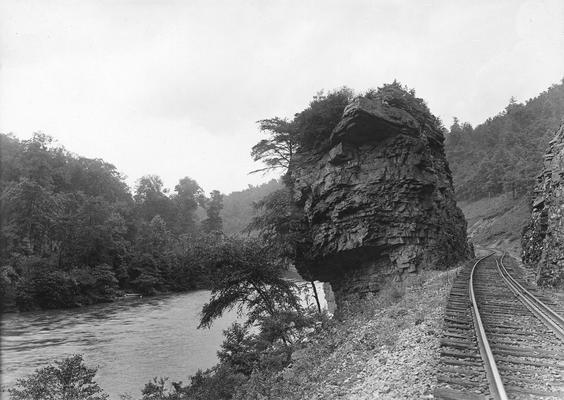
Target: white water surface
<point x="130" y="341"/>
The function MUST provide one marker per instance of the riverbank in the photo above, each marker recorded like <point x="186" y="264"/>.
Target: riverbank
<point x="10" y="307"/>
<point x="388" y="348"/>
<point x="130" y="342"/>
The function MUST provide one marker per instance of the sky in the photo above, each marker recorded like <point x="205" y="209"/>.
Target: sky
<point x="174" y="88"/>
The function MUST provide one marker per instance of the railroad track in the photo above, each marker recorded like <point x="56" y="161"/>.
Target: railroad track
<point x="502" y="339"/>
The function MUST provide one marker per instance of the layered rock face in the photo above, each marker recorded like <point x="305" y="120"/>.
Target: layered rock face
<point x="378" y="201"/>
<point x="543" y="238"/>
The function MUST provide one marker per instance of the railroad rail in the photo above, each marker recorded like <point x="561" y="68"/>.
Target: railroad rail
<point x="502" y="339"/>
<point x="545" y="313"/>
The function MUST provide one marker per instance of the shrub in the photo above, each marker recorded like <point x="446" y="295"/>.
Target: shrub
<point x="46" y="289"/>
<point x="240" y="349"/>
<point x="68" y="379"/>
<point x="97" y="284"/>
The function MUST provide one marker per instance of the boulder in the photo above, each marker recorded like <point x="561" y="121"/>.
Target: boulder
<point x="378" y="202"/>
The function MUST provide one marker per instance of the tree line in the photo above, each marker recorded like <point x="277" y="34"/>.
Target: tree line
<point x="505" y="153"/>
<point x="72" y="233"/>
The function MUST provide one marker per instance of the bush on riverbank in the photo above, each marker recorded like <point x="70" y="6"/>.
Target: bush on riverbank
<point x="32" y="283"/>
<point x="68" y="379"/>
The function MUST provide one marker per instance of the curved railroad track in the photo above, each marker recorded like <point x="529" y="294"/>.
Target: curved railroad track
<point x="502" y="339"/>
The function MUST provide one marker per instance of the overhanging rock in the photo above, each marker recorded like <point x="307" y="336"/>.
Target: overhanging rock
<point x="379" y="202"/>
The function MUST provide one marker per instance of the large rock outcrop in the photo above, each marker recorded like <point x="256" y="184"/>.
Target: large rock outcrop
<point x="543" y="237"/>
<point x="378" y="200"/>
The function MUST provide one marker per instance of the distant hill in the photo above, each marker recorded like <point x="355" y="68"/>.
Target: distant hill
<point x="504" y="154"/>
<point x="497" y="221"/>
<point x="238" y="206"/>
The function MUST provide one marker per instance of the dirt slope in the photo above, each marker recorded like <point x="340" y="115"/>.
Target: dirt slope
<point x="497" y="221"/>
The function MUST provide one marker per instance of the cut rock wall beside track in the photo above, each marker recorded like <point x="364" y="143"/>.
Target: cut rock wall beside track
<point x="543" y="238"/>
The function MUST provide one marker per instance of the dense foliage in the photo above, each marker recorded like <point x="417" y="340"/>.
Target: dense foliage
<point x="504" y="154"/>
<point x="310" y="128"/>
<point x="68" y="379"/>
<point x="73" y="234"/>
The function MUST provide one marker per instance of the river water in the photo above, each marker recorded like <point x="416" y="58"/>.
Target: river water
<point x="130" y="341"/>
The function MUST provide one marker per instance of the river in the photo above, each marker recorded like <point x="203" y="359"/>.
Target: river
<point x="130" y="341"/>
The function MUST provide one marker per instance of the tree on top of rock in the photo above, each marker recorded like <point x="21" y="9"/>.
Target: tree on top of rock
<point x="309" y="129"/>
<point x="397" y="95"/>
<point x="315" y="124"/>
<point x="276" y="151"/>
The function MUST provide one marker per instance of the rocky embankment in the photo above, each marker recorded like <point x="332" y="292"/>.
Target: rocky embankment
<point x="388" y="348"/>
<point x="543" y="238"/>
<point x="378" y="200"/>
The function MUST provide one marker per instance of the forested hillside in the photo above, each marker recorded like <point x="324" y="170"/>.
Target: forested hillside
<point x="72" y="233"/>
<point x="504" y="154"/>
<point x="238" y="210"/>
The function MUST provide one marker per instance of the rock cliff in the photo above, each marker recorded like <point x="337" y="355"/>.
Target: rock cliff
<point x="378" y="200"/>
<point x="543" y="237"/>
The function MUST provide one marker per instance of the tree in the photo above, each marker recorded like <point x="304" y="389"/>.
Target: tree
<point x="240" y="349"/>
<point x="91" y="232"/>
<point x="159" y="389"/>
<point x="245" y="275"/>
<point x="397" y="95"/>
<point x="188" y="195"/>
<point x="277" y="151"/>
<point x="512" y="105"/>
<point x="68" y="379"/>
<point x="151" y="200"/>
<point x="96" y="284"/>
<point x="46" y="288"/>
<point x="32" y="212"/>
<point x="309" y="128"/>
<point x="37" y="159"/>
<point x="455" y="134"/>
<point x="315" y="124"/>
<point x="214" y="223"/>
<point x="95" y="177"/>
<point x="281" y="229"/>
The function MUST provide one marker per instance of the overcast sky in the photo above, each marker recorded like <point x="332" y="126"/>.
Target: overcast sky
<point x="175" y="88"/>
